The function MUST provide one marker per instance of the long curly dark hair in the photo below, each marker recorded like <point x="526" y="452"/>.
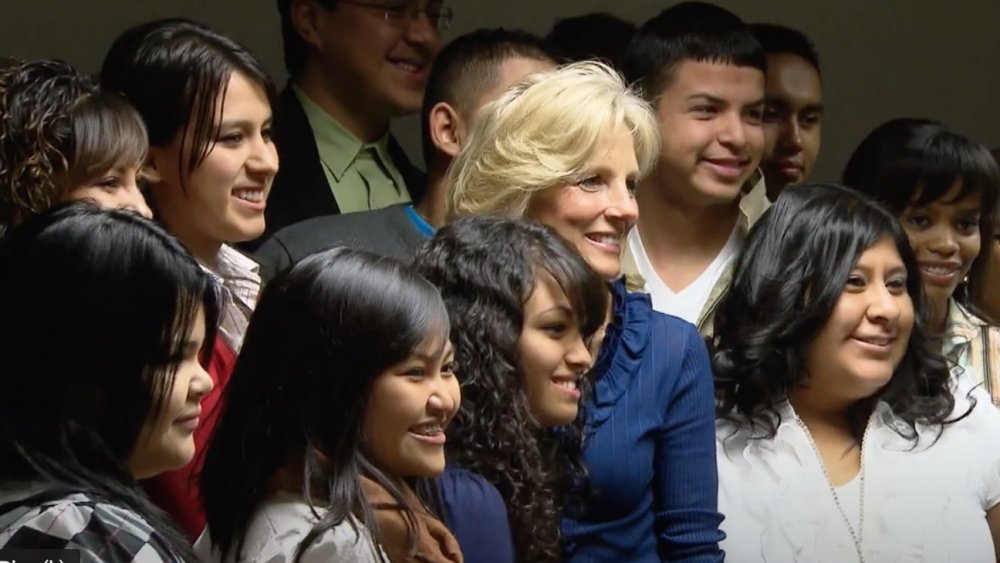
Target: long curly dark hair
<point x="486" y="269"/>
<point x="786" y="284"/>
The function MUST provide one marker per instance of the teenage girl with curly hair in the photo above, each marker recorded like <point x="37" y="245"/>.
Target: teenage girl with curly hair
<point x="522" y="305"/>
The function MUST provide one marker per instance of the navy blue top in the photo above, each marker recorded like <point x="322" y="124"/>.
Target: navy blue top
<point x="477" y="516"/>
<point x="649" y="444"/>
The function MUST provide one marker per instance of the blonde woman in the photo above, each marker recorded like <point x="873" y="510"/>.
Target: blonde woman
<point x="567" y="148"/>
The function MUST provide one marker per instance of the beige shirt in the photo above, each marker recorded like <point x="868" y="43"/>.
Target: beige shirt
<point x="752" y="205"/>
<point x="361" y="176"/>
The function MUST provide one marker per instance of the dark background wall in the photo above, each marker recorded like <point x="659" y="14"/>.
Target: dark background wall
<point x="881" y="58"/>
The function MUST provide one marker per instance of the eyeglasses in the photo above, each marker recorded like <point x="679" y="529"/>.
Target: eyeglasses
<point x="401" y="14"/>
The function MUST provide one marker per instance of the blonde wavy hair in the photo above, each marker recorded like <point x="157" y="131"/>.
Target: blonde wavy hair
<point x="542" y="133"/>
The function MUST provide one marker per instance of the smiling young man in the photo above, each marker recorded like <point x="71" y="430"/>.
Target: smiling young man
<point x="793" y="111"/>
<point x="354" y="66"/>
<point x="703" y="71"/>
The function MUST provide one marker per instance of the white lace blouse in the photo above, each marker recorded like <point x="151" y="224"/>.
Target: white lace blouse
<point x="925" y="504"/>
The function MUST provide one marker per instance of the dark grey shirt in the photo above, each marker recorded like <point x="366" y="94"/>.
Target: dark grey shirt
<point x="386" y="232"/>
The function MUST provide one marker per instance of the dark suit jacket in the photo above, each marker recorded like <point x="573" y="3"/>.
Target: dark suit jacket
<point x="300" y="190"/>
<point x="386" y="232"/>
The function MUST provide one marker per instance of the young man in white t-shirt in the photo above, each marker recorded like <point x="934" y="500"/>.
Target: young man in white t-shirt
<point x="703" y="70"/>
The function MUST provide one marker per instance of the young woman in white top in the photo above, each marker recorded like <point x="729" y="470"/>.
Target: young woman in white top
<point x="334" y="419"/>
<point x="841" y="437"/>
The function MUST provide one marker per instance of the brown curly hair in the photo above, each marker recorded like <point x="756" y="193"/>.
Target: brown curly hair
<point x="57" y="129"/>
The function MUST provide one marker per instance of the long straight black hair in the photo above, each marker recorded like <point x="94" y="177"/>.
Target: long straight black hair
<point x="95" y="308"/>
<point x="321" y="334"/>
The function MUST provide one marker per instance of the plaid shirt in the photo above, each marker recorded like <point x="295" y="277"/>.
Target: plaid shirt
<point x="974" y="345"/>
<point x="101" y="532"/>
<point x="237" y="280"/>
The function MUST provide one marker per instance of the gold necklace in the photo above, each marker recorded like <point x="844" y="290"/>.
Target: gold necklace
<point x="856" y="535"/>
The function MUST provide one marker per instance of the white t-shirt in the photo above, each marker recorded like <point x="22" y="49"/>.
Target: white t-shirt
<point x="689" y="302"/>
<point x="280" y="525"/>
<point x="926" y="504"/>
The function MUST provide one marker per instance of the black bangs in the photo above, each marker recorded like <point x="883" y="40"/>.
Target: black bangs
<point x="950" y="158"/>
<point x="909" y="161"/>
<point x="586" y="291"/>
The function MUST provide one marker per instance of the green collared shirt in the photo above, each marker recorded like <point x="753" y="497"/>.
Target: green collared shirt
<point x="361" y="176"/>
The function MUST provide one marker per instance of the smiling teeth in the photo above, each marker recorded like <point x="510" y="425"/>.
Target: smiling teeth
<point x="255" y="196"/>
<point x="427" y="430"/>
<point x="938" y="270"/>
<point x="566" y="383"/>
<point x="408" y="67"/>
<point x="876" y="340"/>
<point x="605" y="239"/>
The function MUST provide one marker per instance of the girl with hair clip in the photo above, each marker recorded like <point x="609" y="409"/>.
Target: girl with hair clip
<point x="943" y="188"/>
<point x="567" y="148"/>
<point x="206" y="102"/>
<point x="841" y="436"/>
<point x="334" y="420"/>
<point x="110" y="395"/>
<point x="62" y="139"/>
<point x="522" y="303"/>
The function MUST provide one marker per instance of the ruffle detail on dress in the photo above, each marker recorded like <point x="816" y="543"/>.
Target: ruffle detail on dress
<point x="621" y="355"/>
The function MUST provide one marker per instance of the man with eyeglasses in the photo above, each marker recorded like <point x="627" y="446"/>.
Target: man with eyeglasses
<point x="471" y="71"/>
<point x="354" y="65"/>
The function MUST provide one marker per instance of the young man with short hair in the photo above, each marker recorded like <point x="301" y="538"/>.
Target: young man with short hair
<point x="703" y="71"/>
<point x="793" y="106"/>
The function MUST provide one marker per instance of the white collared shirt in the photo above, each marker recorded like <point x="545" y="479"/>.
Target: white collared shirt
<point x="926" y="503"/>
